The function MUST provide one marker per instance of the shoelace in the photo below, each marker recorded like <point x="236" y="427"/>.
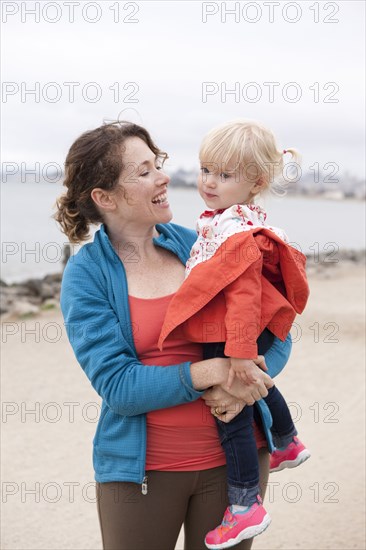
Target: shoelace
<point x="228" y="522"/>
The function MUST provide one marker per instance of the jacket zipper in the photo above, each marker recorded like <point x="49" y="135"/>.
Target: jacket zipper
<point x="144" y="486"/>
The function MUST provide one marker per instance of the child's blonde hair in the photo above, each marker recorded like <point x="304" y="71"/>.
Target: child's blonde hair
<point x="249" y="147"/>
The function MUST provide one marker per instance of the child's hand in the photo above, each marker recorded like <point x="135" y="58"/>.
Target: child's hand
<point x="245" y="370"/>
<point x="261" y="362"/>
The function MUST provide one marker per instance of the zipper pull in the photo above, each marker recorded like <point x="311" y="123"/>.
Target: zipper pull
<point x="144" y="486"/>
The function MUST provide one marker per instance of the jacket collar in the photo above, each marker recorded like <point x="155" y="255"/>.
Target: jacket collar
<point x="166" y="239"/>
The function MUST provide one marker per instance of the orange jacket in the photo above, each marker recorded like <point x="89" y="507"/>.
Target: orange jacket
<point x="254" y="280"/>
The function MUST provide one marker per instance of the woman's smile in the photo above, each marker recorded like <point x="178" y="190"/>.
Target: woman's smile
<point x="161" y="200"/>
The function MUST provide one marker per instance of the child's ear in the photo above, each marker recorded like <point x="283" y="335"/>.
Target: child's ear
<point x="258" y="186"/>
<point x="103" y="199"/>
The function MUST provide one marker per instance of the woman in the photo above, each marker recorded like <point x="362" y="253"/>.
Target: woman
<point x="157" y="457"/>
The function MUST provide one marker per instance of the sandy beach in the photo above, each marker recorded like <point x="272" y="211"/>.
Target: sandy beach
<point x="49" y="413"/>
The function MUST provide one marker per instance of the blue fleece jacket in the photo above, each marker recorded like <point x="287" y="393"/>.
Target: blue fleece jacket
<point x="94" y="303"/>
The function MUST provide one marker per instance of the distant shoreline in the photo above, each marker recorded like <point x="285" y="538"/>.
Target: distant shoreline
<point x="336" y="194"/>
<point x="325" y="195"/>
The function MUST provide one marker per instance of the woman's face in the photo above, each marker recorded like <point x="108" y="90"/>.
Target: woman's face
<point x="145" y="186"/>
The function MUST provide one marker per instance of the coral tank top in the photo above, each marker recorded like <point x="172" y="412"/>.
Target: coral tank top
<point x="184" y="437"/>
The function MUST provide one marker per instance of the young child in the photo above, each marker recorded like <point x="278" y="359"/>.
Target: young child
<point x="244" y="285"/>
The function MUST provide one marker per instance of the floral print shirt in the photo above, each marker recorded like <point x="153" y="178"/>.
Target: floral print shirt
<point x="215" y="226"/>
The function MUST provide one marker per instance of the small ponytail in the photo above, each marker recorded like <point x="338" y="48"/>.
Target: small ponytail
<point x="295" y="155"/>
<point x="282" y="182"/>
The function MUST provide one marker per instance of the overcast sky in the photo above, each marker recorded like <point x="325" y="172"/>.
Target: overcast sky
<point x="162" y="61"/>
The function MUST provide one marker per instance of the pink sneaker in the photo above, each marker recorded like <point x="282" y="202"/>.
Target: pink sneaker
<point x="295" y="454"/>
<point x="238" y="526"/>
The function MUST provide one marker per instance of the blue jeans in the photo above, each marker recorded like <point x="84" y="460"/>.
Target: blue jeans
<point x="238" y="441"/>
<point x="237" y="436"/>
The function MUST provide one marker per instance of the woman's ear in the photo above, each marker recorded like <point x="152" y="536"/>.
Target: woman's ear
<point x="103" y="199"/>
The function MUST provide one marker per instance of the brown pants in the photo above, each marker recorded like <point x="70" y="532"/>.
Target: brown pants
<point x="130" y="520"/>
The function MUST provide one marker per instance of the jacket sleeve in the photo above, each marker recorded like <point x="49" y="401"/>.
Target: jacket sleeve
<point x="108" y="357"/>
<point x="278" y="355"/>
<point x="243" y="312"/>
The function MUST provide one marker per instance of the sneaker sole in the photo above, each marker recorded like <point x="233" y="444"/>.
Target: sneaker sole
<point x="248" y="533"/>
<point x="301" y="457"/>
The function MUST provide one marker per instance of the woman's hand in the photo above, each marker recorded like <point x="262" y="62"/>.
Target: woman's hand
<point x="226" y="404"/>
<point x="223" y="405"/>
<point x="213" y="374"/>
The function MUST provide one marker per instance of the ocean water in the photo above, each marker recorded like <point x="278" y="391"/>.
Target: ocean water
<point x="31" y="242"/>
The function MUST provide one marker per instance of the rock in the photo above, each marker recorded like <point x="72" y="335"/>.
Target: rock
<point x="53" y="278"/>
<point x="4" y="304"/>
<point x="49" y="304"/>
<point x="35" y="300"/>
<point x="23" y="308"/>
<point x="336" y="257"/>
<point x="3" y="283"/>
<point x="34" y="286"/>
<point x="16" y="290"/>
<point x="66" y="253"/>
<point x="45" y="288"/>
<point x="27" y="298"/>
<point x="356" y="255"/>
<point x="47" y="291"/>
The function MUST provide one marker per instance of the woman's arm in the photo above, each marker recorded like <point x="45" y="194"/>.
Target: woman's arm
<point x="234" y="399"/>
<point x="210" y="372"/>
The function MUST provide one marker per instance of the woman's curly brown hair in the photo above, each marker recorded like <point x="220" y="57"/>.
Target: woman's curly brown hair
<point x="95" y="159"/>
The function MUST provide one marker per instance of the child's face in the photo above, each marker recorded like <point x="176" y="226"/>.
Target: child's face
<point x="223" y="189"/>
